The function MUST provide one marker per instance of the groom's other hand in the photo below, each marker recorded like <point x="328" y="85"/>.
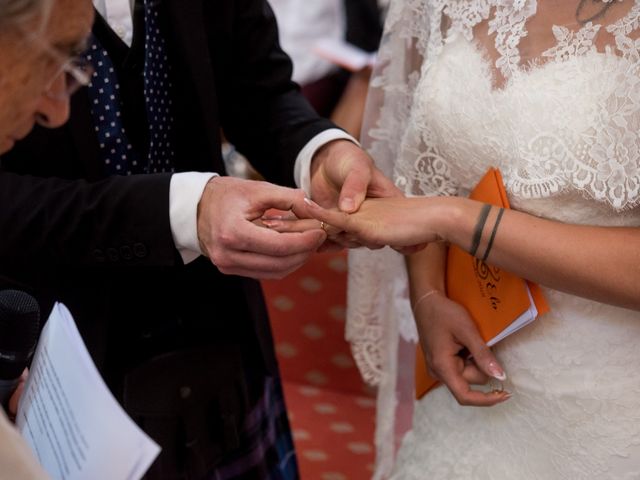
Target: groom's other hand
<point x="230" y="236"/>
<point x="343" y="175"/>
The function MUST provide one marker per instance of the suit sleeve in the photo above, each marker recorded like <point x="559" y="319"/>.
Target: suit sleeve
<point x="263" y="112"/>
<point x="51" y="223"/>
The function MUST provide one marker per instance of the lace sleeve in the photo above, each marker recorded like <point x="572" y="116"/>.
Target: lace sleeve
<point x="380" y="324"/>
<point x="378" y="293"/>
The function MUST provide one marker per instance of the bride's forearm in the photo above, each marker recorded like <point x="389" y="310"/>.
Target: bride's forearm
<point x="426" y="271"/>
<point x="445" y="330"/>
<point x="601" y="263"/>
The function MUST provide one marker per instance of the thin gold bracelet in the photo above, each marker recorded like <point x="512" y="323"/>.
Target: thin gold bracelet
<point x="424" y="295"/>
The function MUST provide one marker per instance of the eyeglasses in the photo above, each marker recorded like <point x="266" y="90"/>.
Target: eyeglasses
<point x="76" y="69"/>
<point x="77" y="73"/>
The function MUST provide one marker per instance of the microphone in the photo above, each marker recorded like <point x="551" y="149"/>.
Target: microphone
<point x="19" y="331"/>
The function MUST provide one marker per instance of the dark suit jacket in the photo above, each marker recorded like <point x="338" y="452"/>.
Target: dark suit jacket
<point x="103" y="245"/>
<point x="364" y="24"/>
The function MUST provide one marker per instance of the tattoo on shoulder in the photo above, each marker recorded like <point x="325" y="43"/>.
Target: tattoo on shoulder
<point x="596" y="9"/>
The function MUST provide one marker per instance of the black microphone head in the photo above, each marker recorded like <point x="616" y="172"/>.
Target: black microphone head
<point x="19" y="330"/>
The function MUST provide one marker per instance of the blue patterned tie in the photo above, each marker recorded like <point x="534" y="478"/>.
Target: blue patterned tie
<point x="157" y="92"/>
<point x="117" y="152"/>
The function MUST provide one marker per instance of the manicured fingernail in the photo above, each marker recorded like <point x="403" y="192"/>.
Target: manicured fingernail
<point x="347" y="204"/>
<point x="507" y="396"/>
<point x="496" y="372"/>
<point x="310" y="202"/>
<point x="271" y="223"/>
<point x="272" y="217"/>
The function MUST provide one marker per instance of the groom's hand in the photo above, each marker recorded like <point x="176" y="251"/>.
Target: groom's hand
<point x="231" y="235"/>
<point x="343" y="175"/>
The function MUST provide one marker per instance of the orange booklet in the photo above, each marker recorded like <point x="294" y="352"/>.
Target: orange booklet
<point x="499" y="302"/>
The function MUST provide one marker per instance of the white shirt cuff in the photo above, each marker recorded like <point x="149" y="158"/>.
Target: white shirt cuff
<point x="185" y="191"/>
<point x="302" y="168"/>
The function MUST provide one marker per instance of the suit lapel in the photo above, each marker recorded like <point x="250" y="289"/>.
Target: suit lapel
<point x="81" y="122"/>
<point x="84" y="137"/>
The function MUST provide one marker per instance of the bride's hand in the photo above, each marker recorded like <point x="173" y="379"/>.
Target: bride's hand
<point x="287" y="222"/>
<point x="336" y="238"/>
<point x="445" y="330"/>
<point x="398" y="222"/>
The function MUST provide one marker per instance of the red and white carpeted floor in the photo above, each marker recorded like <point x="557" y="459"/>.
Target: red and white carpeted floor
<point x="332" y="412"/>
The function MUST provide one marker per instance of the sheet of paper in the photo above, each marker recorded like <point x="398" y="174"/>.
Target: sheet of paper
<point x="344" y="54"/>
<point x="69" y="417"/>
<point x="523" y="320"/>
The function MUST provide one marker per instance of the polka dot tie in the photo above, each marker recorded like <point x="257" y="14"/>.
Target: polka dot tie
<point x="157" y="92"/>
<point x="117" y="153"/>
<point x="119" y="156"/>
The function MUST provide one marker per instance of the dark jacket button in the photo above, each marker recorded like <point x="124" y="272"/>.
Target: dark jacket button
<point x="126" y="253"/>
<point x="139" y="250"/>
<point x="112" y="254"/>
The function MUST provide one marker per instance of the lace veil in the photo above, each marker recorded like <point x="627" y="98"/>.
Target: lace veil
<point x="516" y="39"/>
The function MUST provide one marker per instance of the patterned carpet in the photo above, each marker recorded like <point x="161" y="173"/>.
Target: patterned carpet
<point x="331" y="411"/>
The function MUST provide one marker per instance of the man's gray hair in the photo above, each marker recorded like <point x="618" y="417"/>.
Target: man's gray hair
<point x="14" y="13"/>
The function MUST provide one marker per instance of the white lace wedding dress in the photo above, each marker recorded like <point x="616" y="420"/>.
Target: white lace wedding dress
<point x="549" y="92"/>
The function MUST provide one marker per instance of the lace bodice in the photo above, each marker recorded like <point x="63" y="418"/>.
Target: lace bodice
<point x="547" y="93"/>
<point x="561" y="130"/>
<point x="564" y="119"/>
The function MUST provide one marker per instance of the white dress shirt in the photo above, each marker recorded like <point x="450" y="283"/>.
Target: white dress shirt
<point x="186" y="188"/>
<point x="118" y="15"/>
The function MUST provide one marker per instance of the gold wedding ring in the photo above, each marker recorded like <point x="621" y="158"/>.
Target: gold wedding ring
<point x="323" y="226"/>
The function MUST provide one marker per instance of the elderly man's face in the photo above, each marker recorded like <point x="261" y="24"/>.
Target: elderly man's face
<point x="32" y="84"/>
